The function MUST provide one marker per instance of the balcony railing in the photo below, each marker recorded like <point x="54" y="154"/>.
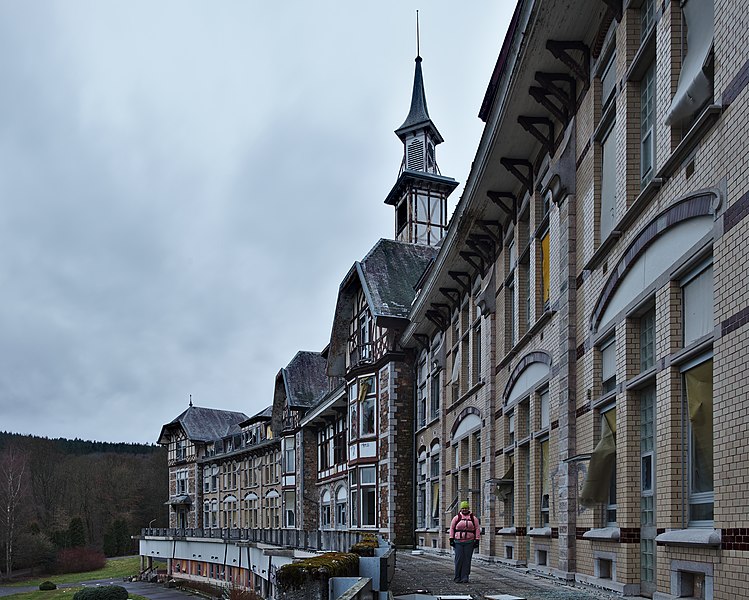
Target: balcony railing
<point x="331" y="541"/>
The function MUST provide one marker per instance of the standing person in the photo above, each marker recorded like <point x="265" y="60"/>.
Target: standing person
<point x="465" y="534"/>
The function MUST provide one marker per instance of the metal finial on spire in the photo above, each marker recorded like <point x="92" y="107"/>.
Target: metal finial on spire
<point x="190" y="400"/>
<point x="418" y="51"/>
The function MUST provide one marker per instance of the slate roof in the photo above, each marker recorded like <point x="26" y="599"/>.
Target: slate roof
<point x="418" y="115"/>
<point x="264" y="415"/>
<point x="305" y="379"/>
<point x="389" y="272"/>
<point x="206" y="424"/>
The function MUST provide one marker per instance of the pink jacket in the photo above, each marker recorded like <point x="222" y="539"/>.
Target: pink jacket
<point x="465" y="528"/>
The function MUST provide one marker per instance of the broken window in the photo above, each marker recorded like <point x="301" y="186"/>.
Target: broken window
<point x="695" y="88"/>
<point x="600" y="478"/>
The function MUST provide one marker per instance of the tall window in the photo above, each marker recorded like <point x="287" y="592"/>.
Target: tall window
<point x="360" y="332"/>
<point x="698" y="384"/>
<point x="421" y="490"/>
<point x="368" y="487"/>
<point x="435" y="395"/>
<point x="647" y="340"/>
<point x="289" y="455"/>
<point x="434" y="475"/>
<point x="608" y="366"/>
<point x="421" y="394"/>
<point x="608" y="182"/>
<point x="325" y="510"/>
<point x="544" y="408"/>
<point x="181" y="482"/>
<point x="367" y="396"/>
<point x="647" y="479"/>
<point x="354" y="487"/>
<point x="341" y="498"/>
<point x="647" y="126"/>
<point x="697" y="295"/>
<point x="545" y="269"/>
<point x="289" y="508"/>
<point x="545" y="485"/>
<point x="608" y="431"/>
<point x="510" y="314"/>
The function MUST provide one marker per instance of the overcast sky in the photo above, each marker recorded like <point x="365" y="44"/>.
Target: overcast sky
<point x="184" y="184"/>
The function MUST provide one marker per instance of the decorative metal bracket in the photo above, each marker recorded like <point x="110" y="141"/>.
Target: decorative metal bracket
<point x="451" y="294"/>
<point x="463" y="280"/>
<point x="513" y="165"/>
<point x="549" y="82"/>
<point x="541" y="96"/>
<point x="561" y="51"/>
<point x="615" y="6"/>
<point x="530" y="125"/>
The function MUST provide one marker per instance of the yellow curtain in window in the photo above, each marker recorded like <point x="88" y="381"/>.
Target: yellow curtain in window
<point x="435" y="499"/>
<point x="545" y="267"/>
<point x="602" y="462"/>
<point x="699" y="384"/>
<point x="363" y="390"/>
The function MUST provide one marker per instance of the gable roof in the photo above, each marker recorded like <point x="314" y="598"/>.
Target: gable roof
<point x="387" y="275"/>
<point x="205" y="424"/>
<point x="305" y="379"/>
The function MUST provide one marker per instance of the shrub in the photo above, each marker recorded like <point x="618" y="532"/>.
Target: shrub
<point x="101" y="592"/>
<point x="78" y="560"/>
<point x="330" y="564"/>
<point x="46" y="586"/>
<point x="366" y="546"/>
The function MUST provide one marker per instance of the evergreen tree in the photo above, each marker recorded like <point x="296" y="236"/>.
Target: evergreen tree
<point x="76" y="533"/>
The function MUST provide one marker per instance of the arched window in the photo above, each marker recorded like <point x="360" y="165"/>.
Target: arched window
<point x="341" y="499"/>
<point x="325" y="510"/>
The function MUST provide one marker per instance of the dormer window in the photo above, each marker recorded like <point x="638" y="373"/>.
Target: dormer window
<point x="361" y="333"/>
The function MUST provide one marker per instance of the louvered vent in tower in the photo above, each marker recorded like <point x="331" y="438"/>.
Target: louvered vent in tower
<point x="416" y="155"/>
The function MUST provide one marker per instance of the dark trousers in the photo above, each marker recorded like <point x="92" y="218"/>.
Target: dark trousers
<point x="463" y="555"/>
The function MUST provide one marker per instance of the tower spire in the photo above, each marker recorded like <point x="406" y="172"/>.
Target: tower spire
<point x="418" y="53"/>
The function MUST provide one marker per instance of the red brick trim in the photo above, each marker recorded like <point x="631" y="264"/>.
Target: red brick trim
<point x="736" y="213"/>
<point x="629" y="535"/>
<point x="735" y="539"/>
<point x="736" y="86"/>
<point x="579" y="531"/>
<point x="735" y="321"/>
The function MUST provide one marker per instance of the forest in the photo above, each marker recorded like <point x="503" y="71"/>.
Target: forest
<point x="59" y="494"/>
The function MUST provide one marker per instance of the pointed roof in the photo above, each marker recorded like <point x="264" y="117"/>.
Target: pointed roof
<point x="205" y="424"/>
<point x="387" y="275"/>
<point x="305" y="379"/>
<point x="418" y="115"/>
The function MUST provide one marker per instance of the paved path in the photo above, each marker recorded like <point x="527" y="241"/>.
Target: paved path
<point x="433" y="574"/>
<point x="154" y="591"/>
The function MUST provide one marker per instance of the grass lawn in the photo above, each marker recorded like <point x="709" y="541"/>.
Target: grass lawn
<point x="115" y="569"/>
<point x="58" y="594"/>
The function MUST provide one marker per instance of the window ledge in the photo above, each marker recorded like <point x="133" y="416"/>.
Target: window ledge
<point x="702" y="125"/>
<point x="508" y="531"/>
<point x="540" y="532"/>
<point x="643" y="58"/>
<point x="603" y="534"/>
<point x="642" y="379"/>
<point x="693" y="536"/>
<point x="605" y="399"/>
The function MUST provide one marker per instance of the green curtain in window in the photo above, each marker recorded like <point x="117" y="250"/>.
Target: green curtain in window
<point x="602" y="462"/>
<point x="699" y="384"/>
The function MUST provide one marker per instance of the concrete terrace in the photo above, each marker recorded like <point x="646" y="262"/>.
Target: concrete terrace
<point x="432" y="574"/>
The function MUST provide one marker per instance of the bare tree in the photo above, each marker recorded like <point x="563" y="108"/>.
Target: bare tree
<point x="13" y="470"/>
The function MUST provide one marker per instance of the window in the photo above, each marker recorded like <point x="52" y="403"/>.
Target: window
<point x="367" y="406"/>
<point x="476" y="349"/>
<point x="289" y="457"/>
<point x="510" y="314"/>
<point x="421" y="490"/>
<point x="421" y="402"/>
<point x="360" y="332"/>
<point x="698" y="384"/>
<point x="341" y="497"/>
<point x="697" y="296"/>
<point x="353" y="484"/>
<point x="325" y="510"/>
<point x="647" y="126"/>
<point x="214" y="513"/>
<point x="608" y="367"/>
<point x="511" y="427"/>
<point x="206" y="514"/>
<point x="214" y="478"/>
<point x="608" y="79"/>
<point x="545" y="270"/>
<point x="647" y="340"/>
<point x="545" y="487"/>
<point x="434" y="474"/>
<point x="181" y="449"/>
<point x="435" y="395"/>
<point x="695" y="88"/>
<point x="647" y="18"/>
<point x="599" y="487"/>
<point x="181" y="482"/>
<point x="608" y="183"/>
<point x="647" y="475"/>
<point x="368" y="496"/>
<point x="544" y="409"/>
<point x="289" y="508"/>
